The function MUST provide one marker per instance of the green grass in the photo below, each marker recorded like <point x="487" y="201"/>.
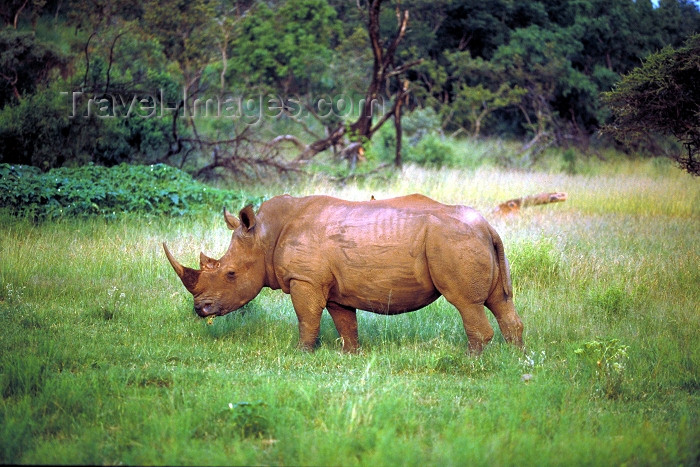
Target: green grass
<point x="103" y="360"/>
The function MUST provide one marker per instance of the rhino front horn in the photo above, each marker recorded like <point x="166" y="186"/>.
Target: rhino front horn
<point x="188" y="276"/>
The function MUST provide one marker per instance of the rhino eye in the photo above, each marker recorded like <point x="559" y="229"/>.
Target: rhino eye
<point x="230" y="275"/>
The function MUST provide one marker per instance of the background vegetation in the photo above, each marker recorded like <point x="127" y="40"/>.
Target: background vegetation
<point x="122" y="81"/>
<point x="104" y="361"/>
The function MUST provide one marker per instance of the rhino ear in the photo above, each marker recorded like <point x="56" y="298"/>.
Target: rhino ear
<point x="247" y="216"/>
<point x="206" y="262"/>
<point x="231" y="222"/>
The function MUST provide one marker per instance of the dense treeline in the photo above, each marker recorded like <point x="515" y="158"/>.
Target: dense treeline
<point x="244" y="86"/>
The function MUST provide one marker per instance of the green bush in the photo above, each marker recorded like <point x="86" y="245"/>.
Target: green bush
<point x="606" y="361"/>
<point x="432" y="150"/>
<point x="419" y="123"/>
<point x="382" y="146"/>
<point x="41" y="131"/>
<point x="109" y="192"/>
<point x="612" y="300"/>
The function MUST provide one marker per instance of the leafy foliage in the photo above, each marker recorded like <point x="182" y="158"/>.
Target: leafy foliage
<point x="41" y="131"/>
<point x="108" y="192"/>
<point x="662" y="95"/>
<point x="530" y="70"/>
<point x="287" y="48"/>
<point x="25" y="64"/>
<point x="432" y="150"/>
<point x="606" y="359"/>
<point x="537" y="68"/>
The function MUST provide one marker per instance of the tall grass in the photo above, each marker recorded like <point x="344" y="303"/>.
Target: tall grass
<point x="103" y="360"/>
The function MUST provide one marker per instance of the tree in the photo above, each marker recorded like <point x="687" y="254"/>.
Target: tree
<point x="12" y="10"/>
<point x="25" y="64"/>
<point x="662" y="95"/>
<point x="538" y="62"/>
<point x="479" y="88"/>
<point x="285" y="49"/>
<point x="506" y="68"/>
<point x="564" y="53"/>
<point x="385" y="71"/>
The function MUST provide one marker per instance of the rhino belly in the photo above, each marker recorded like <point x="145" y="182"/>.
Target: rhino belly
<point x="384" y="291"/>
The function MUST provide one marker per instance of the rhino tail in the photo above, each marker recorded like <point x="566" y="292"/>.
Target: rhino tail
<point x="503" y="266"/>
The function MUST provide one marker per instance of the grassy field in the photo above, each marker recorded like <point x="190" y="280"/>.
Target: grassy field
<point x="104" y="362"/>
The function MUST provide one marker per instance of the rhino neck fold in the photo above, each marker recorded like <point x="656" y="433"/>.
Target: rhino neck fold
<point x="272" y="217"/>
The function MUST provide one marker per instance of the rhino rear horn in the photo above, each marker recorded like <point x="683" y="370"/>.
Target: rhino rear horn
<point x="207" y="262"/>
<point x="188" y="276"/>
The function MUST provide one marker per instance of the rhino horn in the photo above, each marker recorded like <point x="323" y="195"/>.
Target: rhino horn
<point x="231" y="221"/>
<point x="207" y="262"/>
<point x="188" y="276"/>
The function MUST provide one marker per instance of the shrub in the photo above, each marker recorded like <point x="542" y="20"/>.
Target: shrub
<point x="419" y="123"/>
<point x="605" y="360"/>
<point x="612" y="300"/>
<point x="109" y="192"/>
<point x="432" y="150"/>
<point x="569" y="158"/>
<point x="382" y="146"/>
<point x="40" y="131"/>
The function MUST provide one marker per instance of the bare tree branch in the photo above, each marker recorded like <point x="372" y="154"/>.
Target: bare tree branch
<point x="87" y="58"/>
<point x="111" y="59"/>
<point x="16" y="19"/>
<point x="288" y="138"/>
<point x="383" y="69"/>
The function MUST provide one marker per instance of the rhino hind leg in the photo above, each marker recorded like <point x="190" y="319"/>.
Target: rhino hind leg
<point x="508" y="320"/>
<point x="345" y="320"/>
<point x="476" y="324"/>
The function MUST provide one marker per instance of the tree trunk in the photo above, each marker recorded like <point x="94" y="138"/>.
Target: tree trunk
<point x="403" y="95"/>
<point x="383" y="69"/>
<point x="16" y="19"/>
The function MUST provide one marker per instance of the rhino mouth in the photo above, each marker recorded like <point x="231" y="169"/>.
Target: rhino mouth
<point x="207" y="309"/>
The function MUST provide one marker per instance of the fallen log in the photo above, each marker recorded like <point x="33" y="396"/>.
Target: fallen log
<point x="513" y="206"/>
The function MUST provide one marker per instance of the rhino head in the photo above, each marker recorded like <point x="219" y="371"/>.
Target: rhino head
<point x="224" y="285"/>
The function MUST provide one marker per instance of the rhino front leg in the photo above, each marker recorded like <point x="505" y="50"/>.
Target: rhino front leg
<point x="308" y="302"/>
<point x="345" y="320"/>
